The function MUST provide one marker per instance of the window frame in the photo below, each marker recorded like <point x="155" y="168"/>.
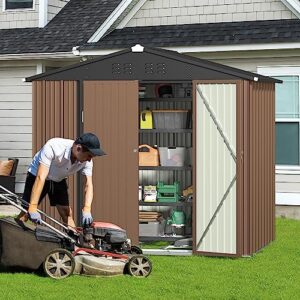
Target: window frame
<point x="284" y="71"/>
<point x="17" y="9"/>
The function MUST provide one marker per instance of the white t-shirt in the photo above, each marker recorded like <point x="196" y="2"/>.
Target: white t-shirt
<point x="56" y="154"/>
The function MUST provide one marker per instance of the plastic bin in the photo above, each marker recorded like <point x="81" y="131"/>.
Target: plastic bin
<point x="152" y="228"/>
<point x="168" y="192"/>
<point x="172" y="156"/>
<point x="170" y="119"/>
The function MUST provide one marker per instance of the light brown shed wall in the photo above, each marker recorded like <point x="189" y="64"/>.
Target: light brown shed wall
<point x="54" y="113"/>
<point x="259" y="166"/>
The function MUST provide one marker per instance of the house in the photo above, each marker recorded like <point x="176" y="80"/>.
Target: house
<point x="254" y="35"/>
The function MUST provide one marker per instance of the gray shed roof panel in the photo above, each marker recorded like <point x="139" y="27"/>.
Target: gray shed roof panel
<point x="152" y="64"/>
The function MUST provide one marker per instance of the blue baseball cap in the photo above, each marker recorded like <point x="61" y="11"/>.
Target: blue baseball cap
<point x="91" y="142"/>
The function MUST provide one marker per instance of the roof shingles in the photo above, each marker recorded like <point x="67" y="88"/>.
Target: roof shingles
<point x="72" y="26"/>
<point x="226" y="33"/>
<point x="79" y="19"/>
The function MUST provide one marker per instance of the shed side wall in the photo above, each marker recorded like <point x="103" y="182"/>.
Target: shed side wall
<point x="261" y="164"/>
<point x="54" y="114"/>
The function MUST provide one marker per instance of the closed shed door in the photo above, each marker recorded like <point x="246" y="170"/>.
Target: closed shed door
<point x="111" y="112"/>
<point x="215" y="168"/>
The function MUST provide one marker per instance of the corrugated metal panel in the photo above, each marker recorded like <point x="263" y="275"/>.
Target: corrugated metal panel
<point x="216" y="169"/>
<point x="54" y="114"/>
<point x="111" y="111"/>
<point x="261" y="165"/>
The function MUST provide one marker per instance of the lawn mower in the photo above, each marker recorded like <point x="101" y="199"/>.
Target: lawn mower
<point x="100" y="249"/>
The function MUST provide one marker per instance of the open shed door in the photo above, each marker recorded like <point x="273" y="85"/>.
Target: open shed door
<point x="111" y="112"/>
<point x="215" y="202"/>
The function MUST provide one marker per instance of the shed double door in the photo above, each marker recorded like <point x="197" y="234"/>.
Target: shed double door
<point x="110" y="110"/>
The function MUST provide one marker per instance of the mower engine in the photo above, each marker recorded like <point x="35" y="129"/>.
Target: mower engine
<point x="106" y="237"/>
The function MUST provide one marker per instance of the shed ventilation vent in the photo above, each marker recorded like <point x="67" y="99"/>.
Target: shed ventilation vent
<point x="137" y="48"/>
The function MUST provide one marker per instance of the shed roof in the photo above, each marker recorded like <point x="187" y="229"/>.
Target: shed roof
<point x="150" y="64"/>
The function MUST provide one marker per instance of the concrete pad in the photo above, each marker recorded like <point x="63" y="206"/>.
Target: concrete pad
<point x="290" y="212"/>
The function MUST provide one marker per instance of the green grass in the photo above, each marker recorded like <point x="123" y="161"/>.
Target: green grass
<point x="273" y="273"/>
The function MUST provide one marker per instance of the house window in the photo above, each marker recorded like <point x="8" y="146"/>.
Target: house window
<point x="287" y="120"/>
<point x="18" y="4"/>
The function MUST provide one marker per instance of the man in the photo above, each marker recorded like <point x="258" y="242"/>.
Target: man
<point x="47" y="173"/>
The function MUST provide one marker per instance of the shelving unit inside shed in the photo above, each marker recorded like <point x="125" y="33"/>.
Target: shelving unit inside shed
<point x="171" y="98"/>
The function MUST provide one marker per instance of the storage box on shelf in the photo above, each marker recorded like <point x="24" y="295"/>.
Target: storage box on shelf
<point x="172" y="156"/>
<point x="152" y="228"/>
<point x="170" y="119"/>
<point x="167" y="192"/>
<point x="150" y="193"/>
<point x="151" y="223"/>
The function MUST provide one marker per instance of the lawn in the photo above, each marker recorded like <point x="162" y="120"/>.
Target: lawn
<point x="274" y="273"/>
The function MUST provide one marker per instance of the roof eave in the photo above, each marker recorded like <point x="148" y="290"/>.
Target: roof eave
<point x="82" y="51"/>
<point x="37" y="56"/>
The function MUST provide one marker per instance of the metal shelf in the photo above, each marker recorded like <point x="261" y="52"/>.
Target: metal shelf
<point x="161" y="168"/>
<point x="142" y="203"/>
<point x="165" y="130"/>
<point x="163" y="238"/>
<point x="188" y="99"/>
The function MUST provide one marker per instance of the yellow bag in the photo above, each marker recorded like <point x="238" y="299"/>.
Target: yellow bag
<point x="149" y="158"/>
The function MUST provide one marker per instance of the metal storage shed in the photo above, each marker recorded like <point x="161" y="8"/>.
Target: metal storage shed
<point x="232" y="140"/>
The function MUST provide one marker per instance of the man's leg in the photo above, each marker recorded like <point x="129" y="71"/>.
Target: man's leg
<point x="59" y="197"/>
<point x="66" y="214"/>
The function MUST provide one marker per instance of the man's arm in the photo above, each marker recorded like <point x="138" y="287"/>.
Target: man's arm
<point x="37" y="188"/>
<point x="88" y="194"/>
<point x="87" y="218"/>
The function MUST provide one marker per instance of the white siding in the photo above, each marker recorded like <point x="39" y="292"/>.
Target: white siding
<point x="54" y="6"/>
<point x="19" y="18"/>
<point x="24" y="18"/>
<point x="216" y="169"/>
<point x="16" y="118"/>
<point x="171" y="12"/>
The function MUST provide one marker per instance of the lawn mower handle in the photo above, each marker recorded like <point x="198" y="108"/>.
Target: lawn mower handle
<point x="7" y="198"/>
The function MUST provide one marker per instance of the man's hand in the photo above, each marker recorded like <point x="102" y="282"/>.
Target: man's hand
<point x="35" y="217"/>
<point x="87" y="218"/>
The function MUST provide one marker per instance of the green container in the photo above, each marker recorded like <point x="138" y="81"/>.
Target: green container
<point x="167" y="192"/>
<point x="166" y="198"/>
<point x="168" y="188"/>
